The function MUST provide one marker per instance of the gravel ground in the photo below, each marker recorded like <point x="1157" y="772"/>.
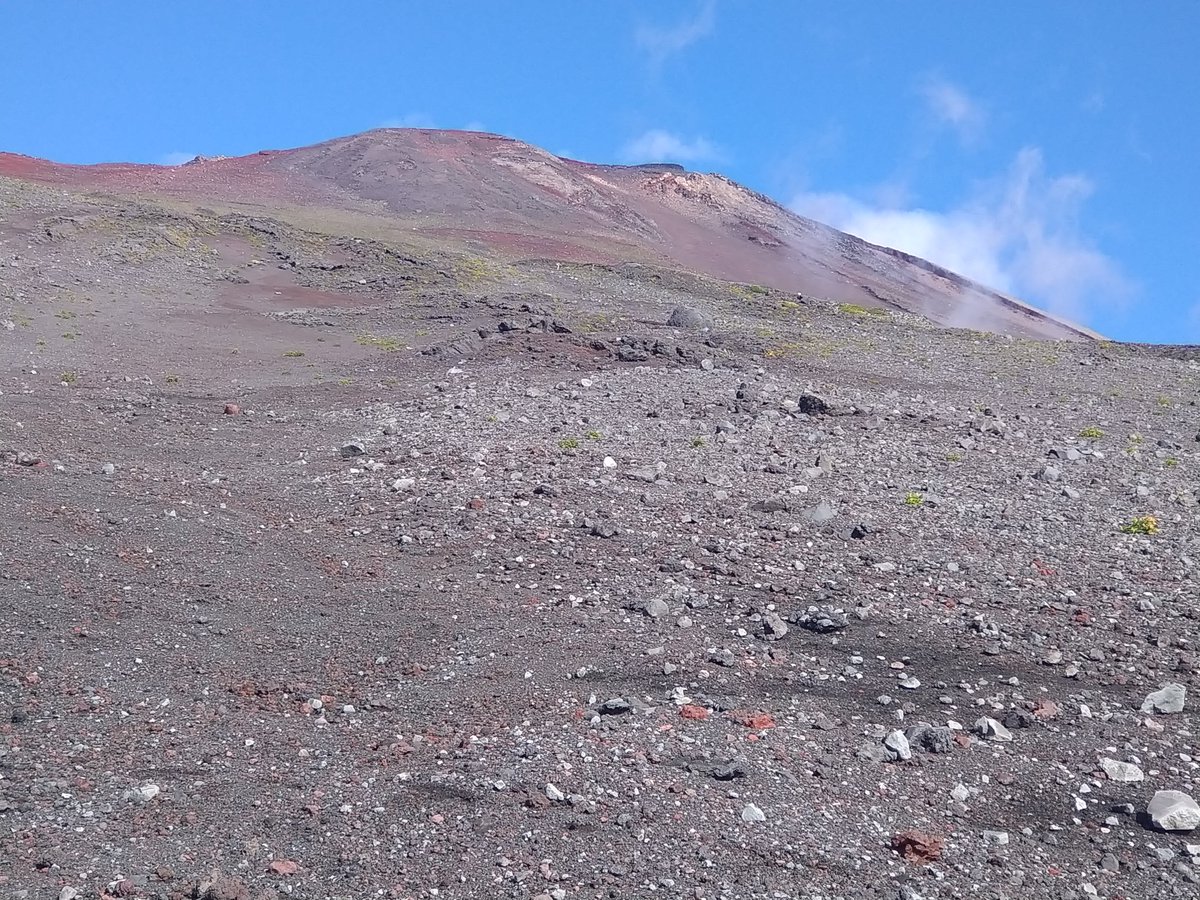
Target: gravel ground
<point x="332" y="569"/>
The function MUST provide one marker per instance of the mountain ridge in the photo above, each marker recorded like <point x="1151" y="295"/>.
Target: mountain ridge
<point x="515" y="199"/>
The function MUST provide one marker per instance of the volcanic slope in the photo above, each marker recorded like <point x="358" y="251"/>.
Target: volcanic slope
<point x="344" y="560"/>
<point x="483" y="190"/>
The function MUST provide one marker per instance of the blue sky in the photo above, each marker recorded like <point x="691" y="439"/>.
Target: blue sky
<point x="1047" y="149"/>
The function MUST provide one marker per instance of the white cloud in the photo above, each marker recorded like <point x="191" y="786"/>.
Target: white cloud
<point x="1018" y="234"/>
<point x="657" y="145"/>
<point x="661" y="42"/>
<point x="953" y="106"/>
<point x="178" y="158"/>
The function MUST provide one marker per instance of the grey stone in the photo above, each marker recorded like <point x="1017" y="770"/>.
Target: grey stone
<point x="819" y="514"/>
<point x="656" y="608"/>
<point x="687" y="317"/>
<point x="354" y="447"/>
<point x="773" y="626"/>
<point x="723" y="657"/>
<point x="821" y="619"/>
<point x="615" y="707"/>
<point x="931" y="738"/>
<point x="729" y="771"/>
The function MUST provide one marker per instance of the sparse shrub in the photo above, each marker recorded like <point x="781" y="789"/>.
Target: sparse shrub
<point x="913" y="498"/>
<point x="954" y="457"/>
<point x="780" y="351"/>
<point x="64" y="314"/>
<point x="172" y="378"/>
<point x="853" y="309"/>
<point x="594" y="435"/>
<point x="1170" y="462"/>
<point x="1141" y="525"/>
<point x="568" y="443"/>
<point x="749" y="291"/>
<point x="293" y="354"/>
<point x="68" y="378"/>
<point x="387" y="344"/>
<point x="697" y="443"/>
<point x="345" y="382"/>
<point x="1091" y="433"/>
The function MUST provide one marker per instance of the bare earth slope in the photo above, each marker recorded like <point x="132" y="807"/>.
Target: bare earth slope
<point x="342" y="560"/>
<point x="517" y="199"/>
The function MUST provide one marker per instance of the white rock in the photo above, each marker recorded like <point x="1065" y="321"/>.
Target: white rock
<point x="898" y="744"/>
<point x="656" y="608"/>
<point x="609" y="462"/>
<point x="553" y="793"/>
<point x="143" y="794"/>
<point x="1124" y="772"/>
<point x="751" y="813"/>
<point x="990" y="728"/>
<point x="1174" y="811"/>
<point x="961" y="793"/>
<point x="1167" y="699"/>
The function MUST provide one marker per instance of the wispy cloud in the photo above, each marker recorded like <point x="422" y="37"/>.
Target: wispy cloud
<point x="1192" y="320"/>
<point x="663" y="41"/>
<point x="951" y="105"/>
<point x="658" y="145"/>
<point x="1018" y="233"/>
<point x="177" y="158"/>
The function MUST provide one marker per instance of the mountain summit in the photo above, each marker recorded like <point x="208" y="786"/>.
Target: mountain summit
<point x="473" y="190"/>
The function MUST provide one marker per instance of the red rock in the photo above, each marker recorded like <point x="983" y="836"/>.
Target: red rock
<point x="1045" y="709"/>
<point x="752" y="719"/>
<point x="691" y="711"/>
<point x="232" y="409"/>
<point x="284" y="867"/>
<point x="917" y="847"/>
